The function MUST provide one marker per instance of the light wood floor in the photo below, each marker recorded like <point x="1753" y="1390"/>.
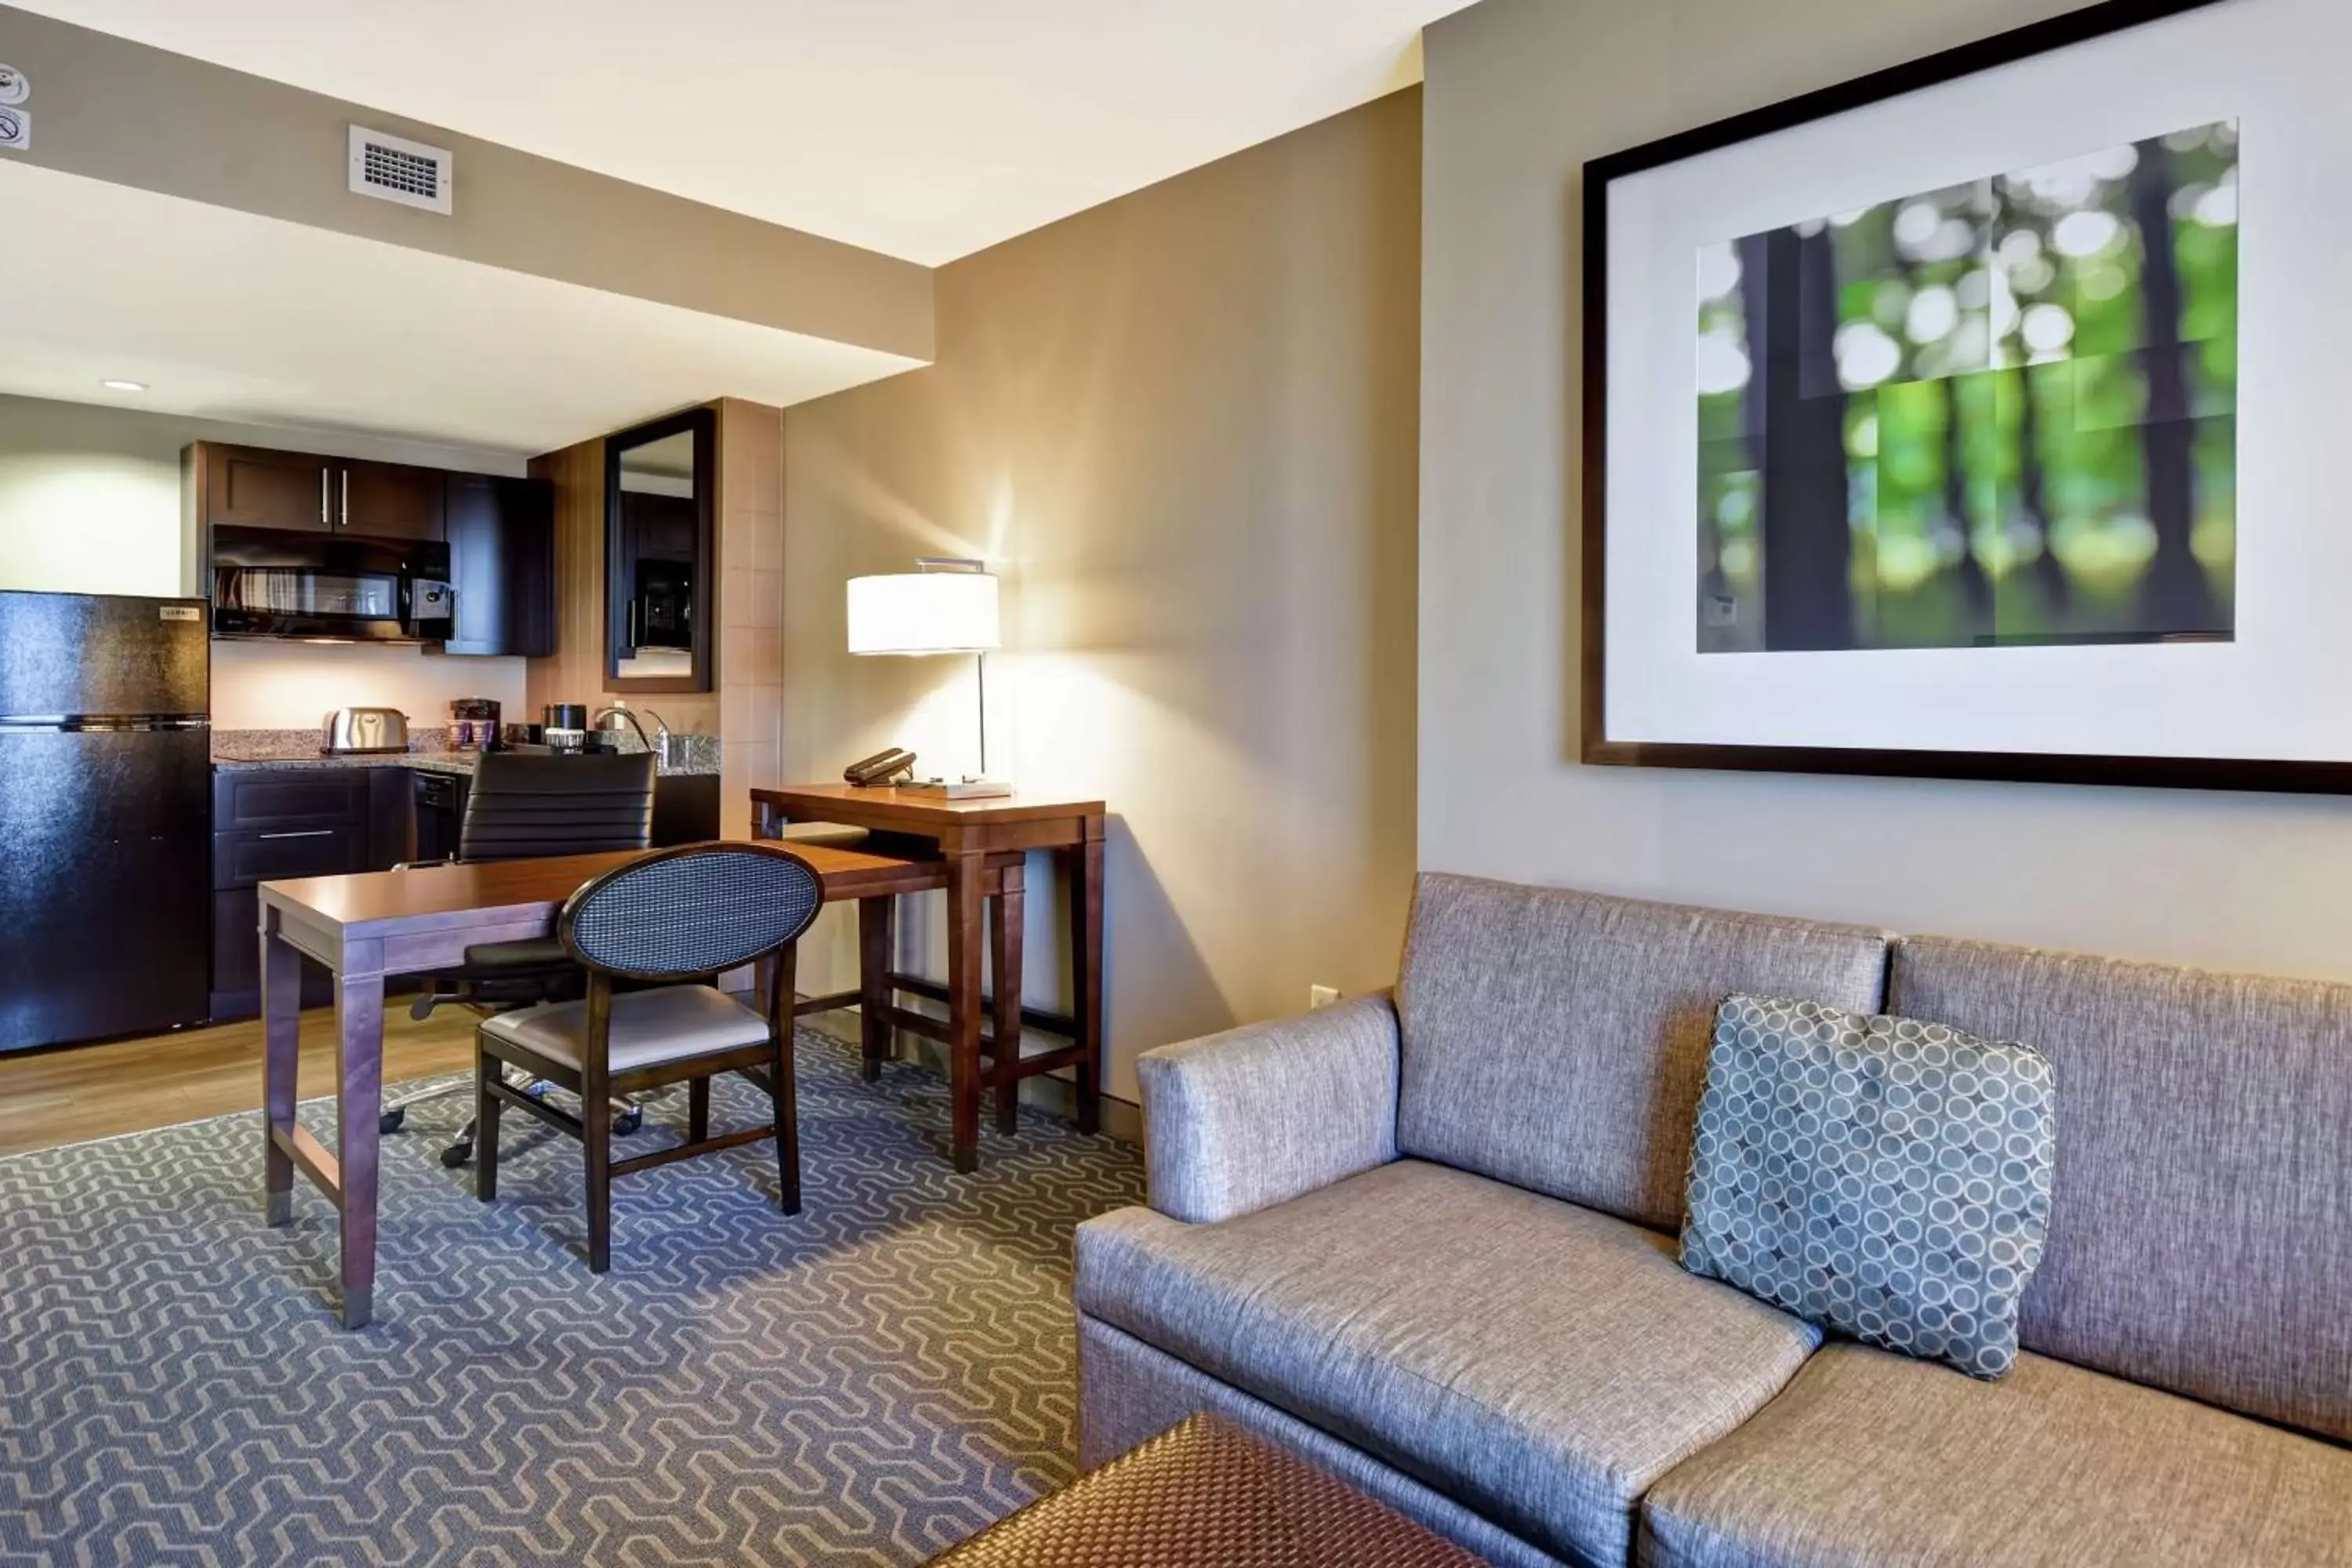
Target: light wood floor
<point x="101" y="1091"/>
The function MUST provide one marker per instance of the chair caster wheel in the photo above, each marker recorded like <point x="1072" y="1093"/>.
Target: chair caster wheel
<point x="391" y="1121"/>
<point x="628" y="1122"/>
<point x="456" y="1155"/>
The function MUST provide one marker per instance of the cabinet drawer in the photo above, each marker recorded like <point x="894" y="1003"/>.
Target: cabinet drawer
<point x="299" y="797"/>
<point x="270" y="855"/>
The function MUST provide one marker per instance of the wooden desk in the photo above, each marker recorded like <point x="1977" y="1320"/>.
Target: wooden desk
<point x="966" y="832"/>
<point x="367" y="927"/>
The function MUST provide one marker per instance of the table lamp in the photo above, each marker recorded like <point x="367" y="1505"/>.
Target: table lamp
<point x="945" y="605"/>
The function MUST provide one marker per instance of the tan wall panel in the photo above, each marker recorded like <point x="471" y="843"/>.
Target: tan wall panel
<point x="1182" y="427"/>
<point x="745" y="706"/>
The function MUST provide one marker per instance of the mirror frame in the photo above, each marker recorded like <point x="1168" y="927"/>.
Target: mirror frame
<point x="703" y="423"/>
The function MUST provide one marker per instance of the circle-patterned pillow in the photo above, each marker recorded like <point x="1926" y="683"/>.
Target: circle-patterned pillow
<point x="1884" y="1177"/>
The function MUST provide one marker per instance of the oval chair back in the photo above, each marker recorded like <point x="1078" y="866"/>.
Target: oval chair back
<point x="692" y="912"/>
<point x="671" y="918"/>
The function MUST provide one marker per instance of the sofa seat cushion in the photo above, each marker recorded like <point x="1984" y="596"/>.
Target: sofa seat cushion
<point x="1870" y="1458"/>
<point x="1538" y="1362"/>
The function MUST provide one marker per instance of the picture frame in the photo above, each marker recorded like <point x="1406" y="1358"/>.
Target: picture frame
<point x="2012" y="688"/>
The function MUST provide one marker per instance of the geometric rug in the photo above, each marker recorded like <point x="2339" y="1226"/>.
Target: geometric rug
<point x="869" y="1381"/>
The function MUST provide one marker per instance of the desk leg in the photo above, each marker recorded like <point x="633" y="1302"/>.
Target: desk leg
<point x="964" y="869"/>
<point x="1004" y="937"/>
<point x="281" y="1055"/>
<point x="359" y="1102"/>
<point x="877" y="951"/>
<point x="1082" y="866"/>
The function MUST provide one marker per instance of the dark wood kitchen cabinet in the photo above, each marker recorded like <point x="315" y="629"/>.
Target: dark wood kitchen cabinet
<point x="251" y="487"/>
<point x="391" y="500"/>
<point x="303" y="492"/>
<point x="269" y="824"/>
<point x="502" y="564"/>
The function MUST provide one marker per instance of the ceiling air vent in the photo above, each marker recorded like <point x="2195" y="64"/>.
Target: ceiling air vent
<point x="396" y="169"/>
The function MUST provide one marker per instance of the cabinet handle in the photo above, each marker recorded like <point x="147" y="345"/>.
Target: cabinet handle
<point x="346" y="498"/>
<point x="326" y="520"/>
<point x="313" y="833"/>
<point x="636" y="637"/>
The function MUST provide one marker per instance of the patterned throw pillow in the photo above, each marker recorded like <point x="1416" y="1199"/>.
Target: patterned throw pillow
<point x="1882" y="1177"/>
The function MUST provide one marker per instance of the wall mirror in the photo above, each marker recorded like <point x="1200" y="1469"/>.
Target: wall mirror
<point x="658" y="554"/>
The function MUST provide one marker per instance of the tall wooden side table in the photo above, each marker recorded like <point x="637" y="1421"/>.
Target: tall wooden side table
<point x="965" y="834"/>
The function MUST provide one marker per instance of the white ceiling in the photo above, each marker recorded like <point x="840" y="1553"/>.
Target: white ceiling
<point x="926" y="128"/>
<point x="229" y="316"/>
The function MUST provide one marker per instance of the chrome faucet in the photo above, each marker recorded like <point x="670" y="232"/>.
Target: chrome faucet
<point x="611" y="720"/>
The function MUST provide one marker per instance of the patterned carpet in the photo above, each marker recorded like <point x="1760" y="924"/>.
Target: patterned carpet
<point x="866" y="1384"/>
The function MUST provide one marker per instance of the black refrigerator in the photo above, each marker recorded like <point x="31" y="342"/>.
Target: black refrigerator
<point x="105" y="817"/>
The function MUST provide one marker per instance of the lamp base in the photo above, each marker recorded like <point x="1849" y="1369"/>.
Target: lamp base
<point x="959" y="789"/>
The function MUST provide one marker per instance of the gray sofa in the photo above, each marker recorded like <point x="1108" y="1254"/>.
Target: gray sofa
<point x="1430" y="1244"/>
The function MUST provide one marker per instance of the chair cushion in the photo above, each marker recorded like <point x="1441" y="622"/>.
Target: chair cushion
<point x="2201" y="1240"/>
<point x="1869" y="1459"/>
<point x="1557" y="1040"/>
<point x="1884" y="1177"/>
<point x="499" y="959"/>
<point x="668" y="1024"/>
<point x="1539" y="1363"/>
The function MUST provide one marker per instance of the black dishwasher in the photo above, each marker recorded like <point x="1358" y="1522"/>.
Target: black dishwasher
<point x="440" y="814"/>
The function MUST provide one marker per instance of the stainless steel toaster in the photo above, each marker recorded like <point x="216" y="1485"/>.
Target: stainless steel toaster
<point x="356" y="730"/>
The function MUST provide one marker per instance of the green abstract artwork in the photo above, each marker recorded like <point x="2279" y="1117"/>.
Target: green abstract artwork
<point x="1996" y="415"/>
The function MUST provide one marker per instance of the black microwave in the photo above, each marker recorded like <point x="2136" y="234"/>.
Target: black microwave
<point x="342" y="588"/>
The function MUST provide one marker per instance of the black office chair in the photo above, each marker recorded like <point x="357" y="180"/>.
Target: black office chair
<point x="676" y="920"/>
<point x="524" y="806"/>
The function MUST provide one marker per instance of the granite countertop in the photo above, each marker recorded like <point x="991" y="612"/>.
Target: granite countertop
<point x="428" y="752"/>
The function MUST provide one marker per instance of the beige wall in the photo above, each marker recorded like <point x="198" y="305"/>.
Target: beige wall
<point x="1519" y="93"/>
<point x="1182" y="425"/>
<point x="113" y="110"/>
<point x="89" y="503"/>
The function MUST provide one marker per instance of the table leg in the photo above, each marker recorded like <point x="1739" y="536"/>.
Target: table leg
<point x="1083" y="872"/>
<point x="1004" y="938"/>
<point x="877" y="949"/>
<point x="281" y="1053"/>
<point x="964" y="875"/>
<point x="359" y="1102"/>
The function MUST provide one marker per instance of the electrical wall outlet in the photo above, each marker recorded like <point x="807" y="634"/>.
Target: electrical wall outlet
<point x="1321" y="996"/>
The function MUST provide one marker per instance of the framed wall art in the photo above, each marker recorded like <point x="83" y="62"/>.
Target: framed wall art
<point x="1979" y="418"/>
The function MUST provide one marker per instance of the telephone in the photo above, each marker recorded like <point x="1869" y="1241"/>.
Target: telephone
<point x="885" y="767"/>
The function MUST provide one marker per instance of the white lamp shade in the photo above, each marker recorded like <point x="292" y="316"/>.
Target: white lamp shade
<point x="923" y="611"/>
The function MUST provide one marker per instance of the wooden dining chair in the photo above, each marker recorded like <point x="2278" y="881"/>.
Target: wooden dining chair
<point x="673" y="920"/>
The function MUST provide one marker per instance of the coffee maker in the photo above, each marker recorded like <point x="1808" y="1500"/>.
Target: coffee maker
<point x="565" y="729"/>
<point x="473" y="724"/>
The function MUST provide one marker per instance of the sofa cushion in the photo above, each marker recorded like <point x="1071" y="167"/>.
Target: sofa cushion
<point x="2201" y="1239"/>
<point x="1870" y="1459"/>
<point x="1541" y="1362"/>
<point x="1557" y="1040"/>
<point x="1888" y="1178"/>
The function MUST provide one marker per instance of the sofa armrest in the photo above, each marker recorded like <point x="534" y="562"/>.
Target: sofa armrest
<point x="1240" y="1121"/>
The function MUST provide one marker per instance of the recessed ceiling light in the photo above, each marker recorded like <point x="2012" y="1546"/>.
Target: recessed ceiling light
<point x="113" y="385"/>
